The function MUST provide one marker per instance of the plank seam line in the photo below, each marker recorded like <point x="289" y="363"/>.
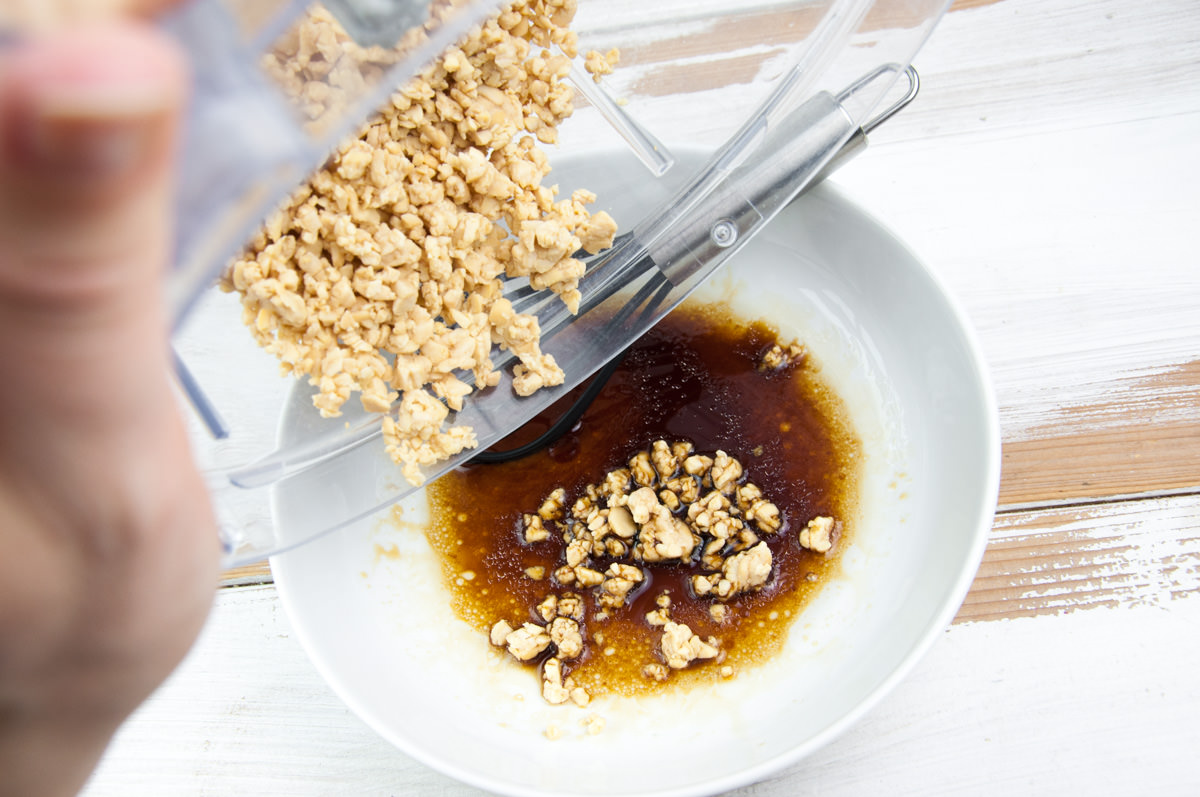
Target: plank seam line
<point x="1120" y="498"/>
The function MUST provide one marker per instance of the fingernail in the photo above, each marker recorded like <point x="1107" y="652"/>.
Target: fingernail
<point x="97" y="132"/>
<point x="88" y="104"/>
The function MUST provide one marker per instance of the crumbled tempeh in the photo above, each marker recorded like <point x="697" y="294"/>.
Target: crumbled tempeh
<point x="686" y="487"/>
<point x="382" y="275"/>
<point x="747" y="495"/>
<point x="663" y="460"/>
<point x="620" y="520"/>
<point x="597" y="524"/>
<point x="598" y="64"/>
<point x="778" y="357"/>
<point x="615" y="548"/>
<point x="772" y="358"/>
<point x="742" y="572"/>
<point x="570" y="605"/>
<point x="680" y="647"/>
<point x="745" y="538"/>
<point x="685" y="509"/>
<point x="818" y="534"/>
<point x="583" y="507"/>
<point x="552" y="507"/>
<point x="664" y="537"/>
<point x="564" y="633"/>
<point x="619" y="581"/>
<point x="697" y="465"/>
<point x="655" y="671"/>
<point x="579" y="547"/>
<point x="712" y="584"/>
<point x="587" y="577"/>
<point x="641" y="469"/>
<point x="527" y="641"/>
<point x="765" y="516"/>
<point x="548" y="608"/>
<point x="641" y="504"/>
<point x="594" y="724"/>
<point x="725" y="472"/>
<point x="500" y="632"/>
<point x="554" y="690"/>
<point x="748" y="570"/>
<point x="535" y="529"/>
<point x="616" y="482"/>
<point x="713" y="555"/>
<point x="658" y="617"/>
<point x="712" y="514"/>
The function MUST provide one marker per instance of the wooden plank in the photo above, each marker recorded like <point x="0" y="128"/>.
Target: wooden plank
<point x="962" y="5"/>
<point x="1131" y="461"/>
<point x="1124" y="436"/>
<point x="247" y="575"/>
<point x="1051" y="561"/>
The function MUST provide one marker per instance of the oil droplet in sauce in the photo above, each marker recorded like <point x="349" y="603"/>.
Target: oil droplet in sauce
<point x="692" y="378"/>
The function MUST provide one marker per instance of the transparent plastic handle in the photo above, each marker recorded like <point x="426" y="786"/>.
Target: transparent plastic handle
<point x="689" y="237"/>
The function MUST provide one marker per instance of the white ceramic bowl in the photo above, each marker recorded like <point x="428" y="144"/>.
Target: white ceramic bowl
<point x="901" y="354"/>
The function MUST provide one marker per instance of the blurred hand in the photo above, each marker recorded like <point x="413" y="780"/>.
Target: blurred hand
<point x="42" y="15"/>
<point x="108" y="548"/>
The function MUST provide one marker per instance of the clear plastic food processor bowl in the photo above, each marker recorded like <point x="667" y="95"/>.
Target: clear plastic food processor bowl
<point x="774" y="93"/>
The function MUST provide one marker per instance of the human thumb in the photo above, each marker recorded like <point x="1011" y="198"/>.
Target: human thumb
<point x="88" y="123"/>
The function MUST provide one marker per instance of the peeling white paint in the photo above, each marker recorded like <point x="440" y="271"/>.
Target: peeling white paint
<point x="1136" y="553"/>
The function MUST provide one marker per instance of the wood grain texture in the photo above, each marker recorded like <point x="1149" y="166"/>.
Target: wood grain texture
<point x="247" y="575"/>
<point x="1144" y="552"/>
<point x="961" y="5"/>
<point x="1144" y="436"/>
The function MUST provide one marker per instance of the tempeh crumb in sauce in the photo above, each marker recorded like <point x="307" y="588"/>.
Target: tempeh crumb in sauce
<point x="703" y="385"/>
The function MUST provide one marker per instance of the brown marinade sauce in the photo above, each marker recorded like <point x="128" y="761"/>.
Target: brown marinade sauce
<point x="693" y="378"/>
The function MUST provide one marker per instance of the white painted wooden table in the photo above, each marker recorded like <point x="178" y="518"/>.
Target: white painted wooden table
<point x="1050" y="172"/>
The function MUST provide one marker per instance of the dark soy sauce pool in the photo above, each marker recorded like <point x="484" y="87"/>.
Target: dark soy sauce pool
<point x="693" y="378"/>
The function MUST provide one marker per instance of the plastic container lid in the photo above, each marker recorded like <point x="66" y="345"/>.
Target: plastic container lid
<point x="773" y="114"/>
